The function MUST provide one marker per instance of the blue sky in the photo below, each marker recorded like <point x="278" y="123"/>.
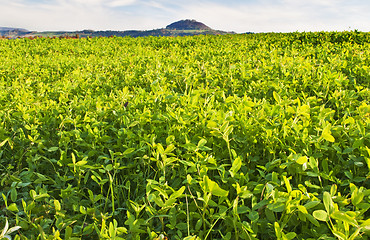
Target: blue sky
<point x="229" y="15"/>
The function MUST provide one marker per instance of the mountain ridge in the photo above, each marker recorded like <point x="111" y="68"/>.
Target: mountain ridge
<point x="12" y="29"/>
<point x="185" y="27"/>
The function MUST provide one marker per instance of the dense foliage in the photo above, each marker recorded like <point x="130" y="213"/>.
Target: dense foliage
<point x="261" y="136"/>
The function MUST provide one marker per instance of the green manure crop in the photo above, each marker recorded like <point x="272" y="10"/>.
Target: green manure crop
<point x="260" y="136"/>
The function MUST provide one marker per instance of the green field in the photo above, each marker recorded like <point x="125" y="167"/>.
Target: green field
<point x="258" y="136"/>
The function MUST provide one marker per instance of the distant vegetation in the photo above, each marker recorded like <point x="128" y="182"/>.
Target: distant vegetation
<point x="180" y="28"/>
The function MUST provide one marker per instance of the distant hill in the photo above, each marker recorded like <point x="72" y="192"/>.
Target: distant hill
<point x="13" y="32"/>
<point x="188" y="25"/>
<point x="4" y="29"/>
<point x="180" y="28"/>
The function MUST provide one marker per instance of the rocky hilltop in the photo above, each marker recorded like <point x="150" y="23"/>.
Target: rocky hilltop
<point x="188" y="25"/>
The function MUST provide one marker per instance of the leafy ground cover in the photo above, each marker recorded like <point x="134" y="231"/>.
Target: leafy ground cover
<point x="261" y="136"/>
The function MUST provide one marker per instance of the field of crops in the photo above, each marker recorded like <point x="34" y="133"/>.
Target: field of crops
<point x="259" y="136"/>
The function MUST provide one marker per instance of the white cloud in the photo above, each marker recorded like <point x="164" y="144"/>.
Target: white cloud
<point x="62" y="14"/>
<point x="120" y="3"/>
<point x="281" y="16"/>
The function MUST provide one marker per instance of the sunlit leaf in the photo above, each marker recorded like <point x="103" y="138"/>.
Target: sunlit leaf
<point x="213" y="187"/>
<point x="328" y="203"/>
<point x="237" y="163"/>
<point x="326" y="134"/>
<point x="321" y="215"/>
<point x="338" y="215"/>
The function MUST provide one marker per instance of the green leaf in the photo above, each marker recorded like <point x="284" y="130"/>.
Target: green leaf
<point x="339" y="235"/>
<point x="210" y="186"/>
<point x="356" y="197"/>
<point x="290" y="235"/>
<point x="338" y="215"/>
<point x="169" y="148"/>
<point x="161" y="191"/>
<point x="328" y="203"/>
<point x="133" y="124"/>
<point x="321" y="215"/>
<point x="302" y="209"/>
<point x="311" y="204"/>
<point x="128" y="151"/>
<point x="57" y="205"/>
<point x="253" y="216"/>
<point x="287" y="184"/>
<point x="227" y="132"/>
<point x="212" y="124"/>
<point x="278" y="230"/>
<point x="13" y="194"/>
<point x="333" y="190"/>
<point x="302" y="217"/>
<point x="73" y="158"/>
<point x="178" y="192"/>
<point x="5" y="199"/>
<point x="366" y="225"/>
<point x="198" y="225"/>
<point x="276" y="207"/>
<point x="191" y="238"/>
<point x="276" y="97"/>
<point x="111" y="229"/>
<point x="270" y="215"/>
<point x="109" y="167"/>
<point x="105" y="138"/>
<point x="53" y="149"/>
<point x="302" y="160"/>
<point x="83" y="210"/>
<point x="355" y="234"/>
<point x="4" y="142"/>
<point x="237" y="163"/>
<point x="326" y="134"/>
<point x="312" y="220"/>
<point x="81" y="163"/>
<point x="68" y="233"/>
<point x="349" y="120"/>
<point x="229" y="99"/>
<point x="13" y="207"/>
<point x="260" y="204"/>
<point x="43" y="195"/>
<point x="202" y="142"/>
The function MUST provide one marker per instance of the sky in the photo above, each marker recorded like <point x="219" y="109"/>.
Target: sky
<point x="229" y="15"/>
